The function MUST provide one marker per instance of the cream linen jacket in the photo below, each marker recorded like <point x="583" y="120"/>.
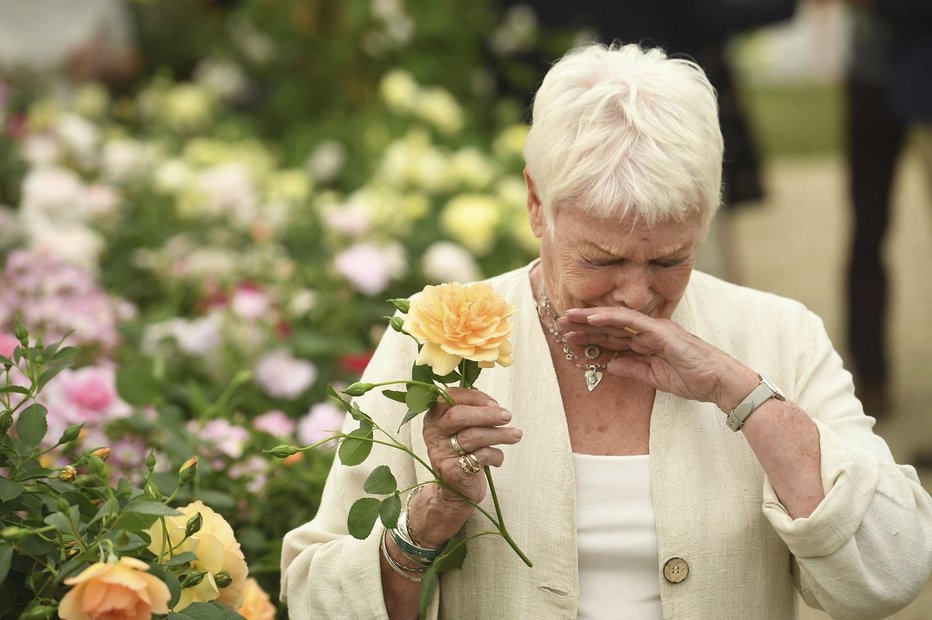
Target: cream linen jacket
<point x="863" y="553"/>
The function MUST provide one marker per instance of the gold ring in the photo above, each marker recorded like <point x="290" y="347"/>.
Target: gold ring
<point x="466" y="464"/>
<point x="631" y="330"/>
<point x="456" y="445"/>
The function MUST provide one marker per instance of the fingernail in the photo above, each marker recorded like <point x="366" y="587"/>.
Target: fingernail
<point x="518" y="434"/>
<point x="506" y="415"/>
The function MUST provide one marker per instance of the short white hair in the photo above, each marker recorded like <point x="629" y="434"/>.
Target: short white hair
<point x="619" y="130"/>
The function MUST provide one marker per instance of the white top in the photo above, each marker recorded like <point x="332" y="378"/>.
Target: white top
<point x="616" y="538"/>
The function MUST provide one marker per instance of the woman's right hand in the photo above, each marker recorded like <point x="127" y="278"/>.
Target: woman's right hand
<point x="437" y="514"/>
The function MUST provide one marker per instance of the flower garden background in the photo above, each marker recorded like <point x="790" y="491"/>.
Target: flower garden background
<point x="215" y="245"/>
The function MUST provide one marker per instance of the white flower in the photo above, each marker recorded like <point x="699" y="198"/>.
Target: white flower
<point x="398" y="90"/>
<point x="197" y="337"/>
<point x="41" y="150"/>
<point x="124" y="159"/>
<point x="302" y="302"/>
<point x="222" y="77"/>
<point x="445" y="261"/>
<point x="102" y="200"/>
<point x="171" y="176"/>
<point x="79" y="135"/>
<point x="440" y="109"/>
<point x="229" y="190"/>
<point x="54" y="193"/>
<point x="75" y="243"/>
<point x="283" y="376"/>
<point x="326" y="161"/>
<point x="470" y="168"/>
<point x="473" y="220"/>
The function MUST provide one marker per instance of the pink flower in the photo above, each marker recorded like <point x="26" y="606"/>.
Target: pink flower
<point x="250" y="302"/>
<point x="319" y="423"/>
<point x="283" y="376"/>
<point x="226" y="438"/>
<point x="85" y="395"/>
<point x="8" y="342"/>
<point x="366" y="267"/>
<point x="275" y="423"/>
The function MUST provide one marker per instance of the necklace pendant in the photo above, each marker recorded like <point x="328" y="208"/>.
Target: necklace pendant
<point x="593" y="351"/>
<point x="593" y="378"/>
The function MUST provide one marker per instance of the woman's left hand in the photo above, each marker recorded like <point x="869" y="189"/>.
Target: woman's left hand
<point x="662" y="354"/>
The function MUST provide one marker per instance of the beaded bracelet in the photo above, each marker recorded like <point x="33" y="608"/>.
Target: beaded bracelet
<point x="400" y="568"/>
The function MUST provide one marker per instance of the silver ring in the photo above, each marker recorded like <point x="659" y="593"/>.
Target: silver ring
<point x="466" y="464"/>
<point x="456" y="445"/>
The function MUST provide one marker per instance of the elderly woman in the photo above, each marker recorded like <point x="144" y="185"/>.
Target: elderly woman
<point x="670" y="445"/>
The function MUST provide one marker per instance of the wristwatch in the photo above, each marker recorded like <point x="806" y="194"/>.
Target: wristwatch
<point x="760" y="395"/>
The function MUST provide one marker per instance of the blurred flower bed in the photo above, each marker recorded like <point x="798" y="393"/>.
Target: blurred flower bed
<point x="218" y="248"/>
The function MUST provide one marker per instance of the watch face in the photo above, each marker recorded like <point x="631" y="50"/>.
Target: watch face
<point x="776" y="391"/>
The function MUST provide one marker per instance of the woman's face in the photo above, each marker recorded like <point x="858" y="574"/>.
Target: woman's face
<point x="589" y="261"/>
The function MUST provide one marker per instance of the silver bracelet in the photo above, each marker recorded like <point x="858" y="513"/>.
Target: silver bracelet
<point x="408" y="529"/>
<point x="399" y="568"/>
<point x="413" y="551"/>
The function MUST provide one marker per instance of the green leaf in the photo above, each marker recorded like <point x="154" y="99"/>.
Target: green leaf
<point x="31" y="425"/>
<point x="6" y="554"/>
<point x="182" y="558"/>
<point x="105" y="509"/>
<point x="65" y="355"/>
<point x="362" y="516"/>
<point x="456" y="557"/>
<point x="408" y="417"/>
<point x="428" y="585"/>
<point x="470" y="371"/>
<point x="420" y="398"/>
<point x="381" y="481"/>
<point x="451" y="377"/>
<point x="147" y="507"/>
<point x="422" y="373"/>
<point x="137" y="385"/>
<point x="10" y="489"/>
<point x="390" y="510"/>
<point x="174" y="586"/>
<point x="14" y="389"/>
<point x="49" y="374"/>
<point x="355" y="448"/>
<point x="205" y="611"/>
<point x="395" y="395"/>
<point x="59" y="521"/>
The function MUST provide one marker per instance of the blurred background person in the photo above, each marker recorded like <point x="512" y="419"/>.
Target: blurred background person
<point x="62" y="41"/>
<point x="888" y="94"/>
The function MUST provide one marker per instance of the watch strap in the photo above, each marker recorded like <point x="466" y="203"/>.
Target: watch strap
<point x="758" y="396"/>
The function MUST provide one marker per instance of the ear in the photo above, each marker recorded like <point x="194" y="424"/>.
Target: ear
<point x="535" y="209"/>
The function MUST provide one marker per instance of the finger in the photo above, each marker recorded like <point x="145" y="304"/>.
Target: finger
<point x="476" y="438"/>
<point x="600" y="338"/>
<point x="461" y="396"/>
<point x="630" y="365"/>
<point x="463" y="416"/>
<point x="490" y="456"/>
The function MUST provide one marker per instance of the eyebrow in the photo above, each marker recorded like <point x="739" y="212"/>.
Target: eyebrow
<point x="669" y="252"/>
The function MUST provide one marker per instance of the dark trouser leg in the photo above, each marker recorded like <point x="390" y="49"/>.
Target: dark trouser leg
<point x="874" y="143"/>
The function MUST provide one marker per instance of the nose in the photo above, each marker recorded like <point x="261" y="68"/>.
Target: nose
<point x="632" y="287"/>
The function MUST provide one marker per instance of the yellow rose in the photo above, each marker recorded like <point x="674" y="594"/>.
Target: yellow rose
<point x="456" y="322"/>
<point x="473" y="221"/>
<point x="256" y="604"/>
<point x="216" y="549"/>
<point x="121" y="590"/>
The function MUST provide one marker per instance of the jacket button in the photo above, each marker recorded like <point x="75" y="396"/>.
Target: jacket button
<point x="675" y="570"/>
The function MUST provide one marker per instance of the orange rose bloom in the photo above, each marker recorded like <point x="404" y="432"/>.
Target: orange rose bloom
<point x="114" y="591"/>
<point x="256" y="603"/>
<point x="455" y="322"/>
